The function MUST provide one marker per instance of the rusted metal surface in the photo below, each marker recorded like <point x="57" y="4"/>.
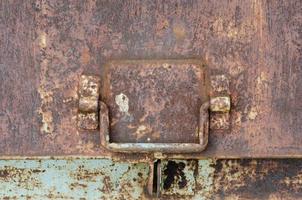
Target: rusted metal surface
<point x="104" y="179"/>
<point x="249" y="179"/>
<point x="155" y="106"/>
<point x="47" y="45"/>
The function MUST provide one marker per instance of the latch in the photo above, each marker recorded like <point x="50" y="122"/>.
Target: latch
<point x="153" y="105"/>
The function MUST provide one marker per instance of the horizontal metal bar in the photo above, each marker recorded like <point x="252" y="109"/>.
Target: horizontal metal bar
<point x="156" y="147"/>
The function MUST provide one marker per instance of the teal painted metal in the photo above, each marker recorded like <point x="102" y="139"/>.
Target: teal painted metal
<point x="71" y="179"/>
<point x="92" y="179"/>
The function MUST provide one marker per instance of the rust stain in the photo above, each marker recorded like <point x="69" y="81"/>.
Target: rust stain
<point x="267" y="177"/>
<point x="108" y="186"/>
<point x="142" y="131"/>
<point x="23" y="177"/>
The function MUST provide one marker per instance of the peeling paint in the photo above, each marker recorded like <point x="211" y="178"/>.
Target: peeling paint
<point x="123" y="102"/>
<point x="142" y="130"/>
<point x="205" y="180"/>
<point x="47" y="126"/>
<point x="253" y="113"/>
<point x="72" y="179"/>
<point x="46" y="100"/>
<point x="45" y="94"/>
<point x="91" y="178"/>
<point x="43" y="41"/>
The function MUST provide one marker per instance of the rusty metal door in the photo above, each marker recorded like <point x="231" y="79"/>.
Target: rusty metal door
<point x="175" y="83"/>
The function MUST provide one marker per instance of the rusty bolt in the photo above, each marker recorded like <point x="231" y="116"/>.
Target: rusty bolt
<point x="220" y="104"/>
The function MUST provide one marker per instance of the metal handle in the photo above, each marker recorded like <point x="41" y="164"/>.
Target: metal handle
<point x="203" y="133"/>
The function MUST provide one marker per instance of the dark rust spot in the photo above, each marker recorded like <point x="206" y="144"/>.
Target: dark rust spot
<point x="4" y="173"/>
<point x="174" y="172"/>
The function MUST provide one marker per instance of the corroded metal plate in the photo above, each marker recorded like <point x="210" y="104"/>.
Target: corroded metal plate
<point x="154" y="101"/>
<point x="47" y="45"/>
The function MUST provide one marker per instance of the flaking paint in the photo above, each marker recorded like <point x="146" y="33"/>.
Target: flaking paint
<point x="91" y="178"/>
